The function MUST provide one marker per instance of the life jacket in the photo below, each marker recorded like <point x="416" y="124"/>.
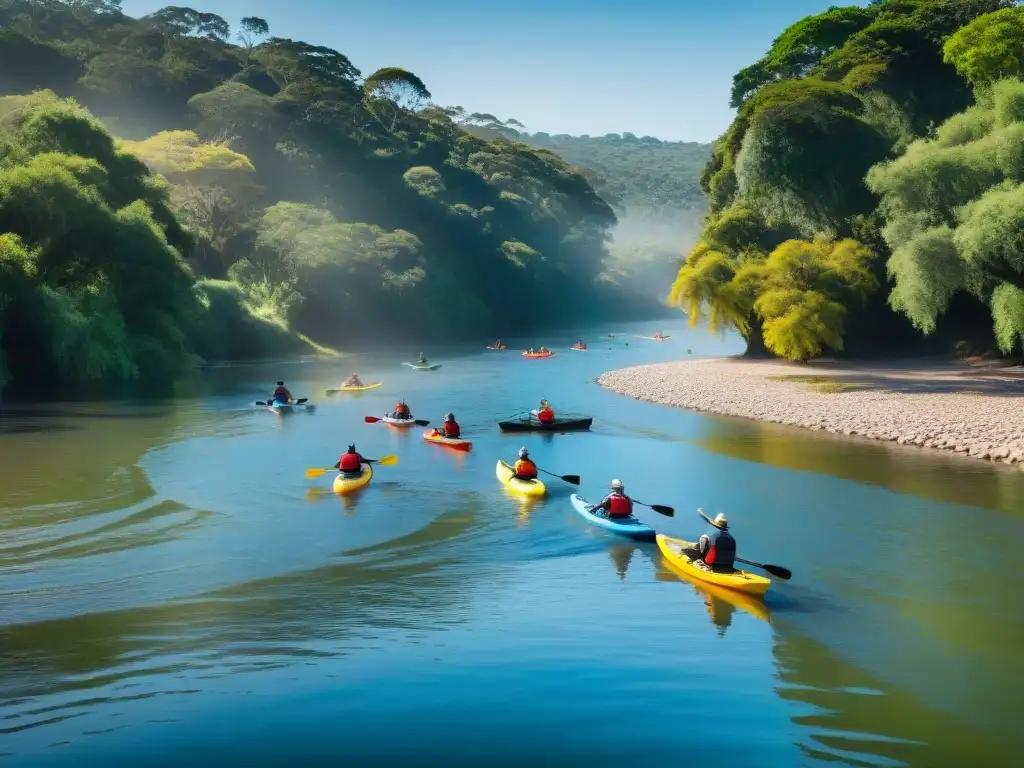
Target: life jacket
<point x="525" y="469"/>
<point x="350" y="462"/>
<point x="721" y="554"/>
<point x="619" y="505"/>
<point x="283" y="395"/>
<point x="546" y="415"/>
<point x="402" y="410"/>
<point x="451" y="429"/>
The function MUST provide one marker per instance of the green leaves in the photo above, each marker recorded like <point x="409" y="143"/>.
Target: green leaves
<point x="989" y="48"/>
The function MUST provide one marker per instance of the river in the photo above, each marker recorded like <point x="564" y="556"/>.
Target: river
<point x="172" y="587"/>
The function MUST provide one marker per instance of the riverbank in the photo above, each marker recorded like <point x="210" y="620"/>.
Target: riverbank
<point x="973" y="410"/>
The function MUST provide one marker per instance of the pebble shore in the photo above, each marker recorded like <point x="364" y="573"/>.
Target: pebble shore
<point x="950" y="407"/>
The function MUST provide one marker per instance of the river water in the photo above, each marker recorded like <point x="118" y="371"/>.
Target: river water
<point x="172" y="587"/>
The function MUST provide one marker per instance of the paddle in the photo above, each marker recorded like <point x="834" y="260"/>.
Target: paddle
<point x="571" y="479"/>
<point x="417" y="422"/>
<point x="775" y="570"/>
<point x="661" y="509"/>
<point x="387" y="461"/>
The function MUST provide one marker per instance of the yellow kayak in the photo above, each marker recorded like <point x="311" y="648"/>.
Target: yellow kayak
<point x="506" y="474"/>
<point x="742" y="581"/>
<point x="345" y="485"/>
<point x="363" y="388"/>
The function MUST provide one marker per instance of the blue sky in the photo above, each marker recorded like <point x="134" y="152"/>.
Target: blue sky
<point x="651" y="67"/>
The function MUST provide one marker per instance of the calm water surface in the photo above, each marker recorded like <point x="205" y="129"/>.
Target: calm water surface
<point x="172" y="588"/>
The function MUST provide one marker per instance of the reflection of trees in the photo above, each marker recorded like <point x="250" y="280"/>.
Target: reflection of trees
<point x="274" y="622"/>
<point x="920" y="472"/>
<point x="852" y="718"/>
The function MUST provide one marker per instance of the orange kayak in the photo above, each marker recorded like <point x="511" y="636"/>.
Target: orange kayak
<point x="539" y="354"/>
<point x="452" y="442"/>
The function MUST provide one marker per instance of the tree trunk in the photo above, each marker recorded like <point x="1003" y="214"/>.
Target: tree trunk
<point x="756" y="349"/>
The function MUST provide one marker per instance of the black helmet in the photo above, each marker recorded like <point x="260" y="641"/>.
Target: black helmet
<point x="280" y="383"/>
<point x="449" y="417"/>
<point x="352" y="448"/>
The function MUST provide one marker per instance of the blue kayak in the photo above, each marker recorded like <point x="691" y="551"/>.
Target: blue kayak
<point x="629" y="527"/>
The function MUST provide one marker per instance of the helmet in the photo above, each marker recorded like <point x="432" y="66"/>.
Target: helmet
<point x="617" y="485"/>
<point x="449" y="417"/>
<point x="352" y="448"/>
<point x="280" y="383"/>
<point x="523" y="453"/>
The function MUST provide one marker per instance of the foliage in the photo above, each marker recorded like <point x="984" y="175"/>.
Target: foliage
<point x="989" y="48"/>
<point x="391" y="90"/>
<point x="954" y="215"/>
<point x="785" y="252"/>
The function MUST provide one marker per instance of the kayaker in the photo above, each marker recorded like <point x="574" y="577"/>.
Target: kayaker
<point x="423" y="360"/>
<point x="451" y="426"/>
<point x="543" y="350"/>
<point x="580" y="344"/>
<point x="353" y="381"/>
<point x="617" y="504"/>
<point x="401" y="411"/>
<point x="351" y="463"/>
<point x="525" y="469"/>
<point x="545" y="414"/>
<point x="717" y="548"/>
<point x="281" y="394"/>
<point x="531" y="352"/>
<point x="498" y="344"/>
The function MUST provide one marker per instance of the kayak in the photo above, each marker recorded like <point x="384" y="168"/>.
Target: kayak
<point x="578" y="349"/>
<point x="532" y="425"/>
<point x="498" y="349"/>
<point x="506" y="474"/>
<point x="345" y="485"/>
<point x="363" y="388"/>
<point x="433" y="367"/>
<point x="452" y="442"/>
<point x="280" y="408"/>
<point x="629" y="527"/>
<point x="538" y="354"/>
<point x="656" y="338"/>
<point x="742" y="581"/>
<point x="400" y="423"/>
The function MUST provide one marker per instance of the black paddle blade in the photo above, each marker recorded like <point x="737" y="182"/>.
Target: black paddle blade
<point x="301" y="400"/>
<point x="422" y="423"/>
<point x="260" y="402"/>
<point x="370" y="419"/>
<point x="661" y="509"/>
<point x="571" y="479"/>
<point x="777" y="570"/>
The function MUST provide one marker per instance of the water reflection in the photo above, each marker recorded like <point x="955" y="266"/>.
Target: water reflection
<point x="720" y="602"/>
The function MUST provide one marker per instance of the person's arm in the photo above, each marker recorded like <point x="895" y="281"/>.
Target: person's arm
<point x="605" y="504"/>
<point x="703" y="544"/>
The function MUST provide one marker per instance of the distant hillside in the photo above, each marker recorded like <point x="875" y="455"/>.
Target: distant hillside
<point x="653" y="185"/>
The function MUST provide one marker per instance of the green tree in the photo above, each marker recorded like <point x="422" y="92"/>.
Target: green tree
<point x="250" y="31"/>
<point x="178" y="21"/>
<point x="989" y="48"/>
<point x="392" y="90"/>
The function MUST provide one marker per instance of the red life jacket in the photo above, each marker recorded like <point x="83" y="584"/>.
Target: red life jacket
<point x="546" y="416"/>
<point x="451" y="429"/>
<point x="525" y="469"/>
<point x="619" y="505"/>
<point x="350" y="462"/>
<point x="282" y="392"/>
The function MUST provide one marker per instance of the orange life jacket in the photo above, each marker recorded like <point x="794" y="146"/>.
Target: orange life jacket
<point x="546" y="415"/>
<point x="525" y="469"/>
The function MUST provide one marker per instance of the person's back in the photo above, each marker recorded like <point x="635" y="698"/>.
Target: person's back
<point x="402" y="411"/>
<point x="351" y="463"/>
<point x="619" y="505"/>
<point x="546" y="414"/>
<point x="720" y="550"/>
<point x="451" y="429"/>
<point x="281" y="394"/>
<point x="524" y="468"/>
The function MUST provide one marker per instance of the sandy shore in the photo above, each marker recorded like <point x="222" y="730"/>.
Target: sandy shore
<point x="973" y="410"/>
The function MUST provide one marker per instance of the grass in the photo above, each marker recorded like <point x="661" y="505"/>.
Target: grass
<point x="825" y="386"/>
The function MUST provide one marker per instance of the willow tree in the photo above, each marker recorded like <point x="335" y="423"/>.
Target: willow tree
<point x="954" y="215"/>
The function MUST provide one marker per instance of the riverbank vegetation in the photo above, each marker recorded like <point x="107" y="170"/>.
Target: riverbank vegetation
<point x="868" y="196"/>
<point x="177" y="186"/>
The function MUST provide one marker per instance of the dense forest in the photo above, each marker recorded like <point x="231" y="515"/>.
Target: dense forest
<point x="175" y="188"/>
<point x="652" y="185"/>
<point x="869" y="195"/>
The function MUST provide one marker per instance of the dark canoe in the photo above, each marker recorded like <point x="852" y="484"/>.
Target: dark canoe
<point x="532" y="425"/>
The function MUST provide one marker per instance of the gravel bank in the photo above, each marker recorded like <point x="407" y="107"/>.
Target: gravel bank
<point x="972" y="411"/>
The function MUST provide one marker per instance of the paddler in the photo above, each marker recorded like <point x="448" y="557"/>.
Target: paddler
<point x="580" y="344"/>
<point x="351" y="463"/>
<point x="281" y="394"/>
<point x="498" y="344"/>
<point x="717" y="548"/>
<point x="401" y="411"/>
<point x="543" y="350"/>
<point x="353" y="381"/>
<point x="451" y="426"/>
<point x="423" y="360"/>
<point x="616" y="505"/>
<point x="524" y="468"/>
<point x="545" y="414"/>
